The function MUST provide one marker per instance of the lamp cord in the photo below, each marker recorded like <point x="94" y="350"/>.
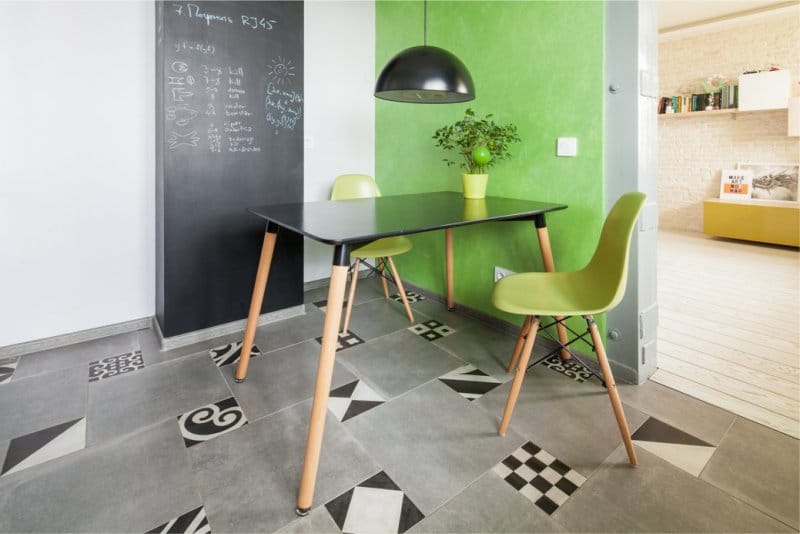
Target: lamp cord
<point x="425" y="25"/>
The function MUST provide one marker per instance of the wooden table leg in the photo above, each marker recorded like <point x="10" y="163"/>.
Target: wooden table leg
<point x="262" y="275"/>
<point x="550" y="267"/>
<point x="327" y="356"/>
<point x="448" y="258"/>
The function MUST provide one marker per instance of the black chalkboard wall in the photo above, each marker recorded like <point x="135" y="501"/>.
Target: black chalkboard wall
<point x="229" y="116"/>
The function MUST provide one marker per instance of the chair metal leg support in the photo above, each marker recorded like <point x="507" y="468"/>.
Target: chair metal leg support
<point x="519" y="376"/>
<point x="383" y="277"/>
<point x="611" y="387"/>
<point x="399" y="284"/>
<point x="352" y="295"/>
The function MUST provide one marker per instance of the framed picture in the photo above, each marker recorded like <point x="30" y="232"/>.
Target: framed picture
<point x="736" y="184"/>
<point x="773" y="181"/>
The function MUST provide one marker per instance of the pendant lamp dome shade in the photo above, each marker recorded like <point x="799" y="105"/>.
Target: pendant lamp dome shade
<point x="425" y="75"/>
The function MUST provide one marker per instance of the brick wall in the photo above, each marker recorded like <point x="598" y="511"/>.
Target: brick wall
<point x="694" y="149"/>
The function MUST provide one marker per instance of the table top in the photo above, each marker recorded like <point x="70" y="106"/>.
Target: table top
<point x="357" y="221"/>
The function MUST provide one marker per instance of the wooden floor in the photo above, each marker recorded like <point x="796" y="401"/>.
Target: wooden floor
<point x="729" y="327"/>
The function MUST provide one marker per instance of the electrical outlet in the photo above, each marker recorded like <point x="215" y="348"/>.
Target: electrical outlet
<point x="501" y="272"/>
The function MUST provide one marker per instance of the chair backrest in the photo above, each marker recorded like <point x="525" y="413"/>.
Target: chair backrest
<point x="348" y="186"/>
<point x="608" y="268"/>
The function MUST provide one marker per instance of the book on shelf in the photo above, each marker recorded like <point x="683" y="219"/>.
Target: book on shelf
<point x="726" y="98"/>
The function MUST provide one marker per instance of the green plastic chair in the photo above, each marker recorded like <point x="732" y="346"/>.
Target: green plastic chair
<point x="596" y="288"/>
<point x="351" y="186"/>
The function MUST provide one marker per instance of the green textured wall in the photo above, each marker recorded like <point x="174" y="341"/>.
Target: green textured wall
<point x="536" y="64"/>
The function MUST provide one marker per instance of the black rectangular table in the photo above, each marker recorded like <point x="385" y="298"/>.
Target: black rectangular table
<point x="348" y="224"/>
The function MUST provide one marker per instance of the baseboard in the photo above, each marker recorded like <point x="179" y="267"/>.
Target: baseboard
<point x="63" y="340"/>
<point x="233" y="327"/>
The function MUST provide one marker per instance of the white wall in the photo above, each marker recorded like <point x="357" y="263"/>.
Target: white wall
<point x="339" y="106"/>
<point x="76" y="166"/>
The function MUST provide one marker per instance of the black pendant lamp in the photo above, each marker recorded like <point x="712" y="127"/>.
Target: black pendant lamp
<point x="425" y="75"/>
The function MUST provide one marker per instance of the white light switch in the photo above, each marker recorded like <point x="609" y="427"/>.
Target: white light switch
<point x="567" y="146"/>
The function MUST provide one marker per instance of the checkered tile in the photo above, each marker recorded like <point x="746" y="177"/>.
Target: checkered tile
<point x="432" y="330"/>
<point x="346" y="340"/>
<point x="7" y="368"/>
<point x="115" y="365"/>
<point x="411" y="297"/>
<point x="375" y="505"/>
<point x="353" y="399"/>
<point x="539" y="476"/>
<point x="230" y="353"/>
<point x="571" y="368"/>
<point x="470" y="382"/>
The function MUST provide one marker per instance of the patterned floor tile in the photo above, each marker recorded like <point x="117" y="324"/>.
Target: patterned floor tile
<point x="7" y="368"/>
<point x="115" y="365"/>
<point x="539" y="476"/>
<point x="346" y="340"/>
<point x="43" y="445"/>
<point x="571" y="368"/>
<point x="432" y="330"/>
<point x="470" y="382"/>
<point x="352" y="399"/>
<point x="230" y="353"/>
<point x="675" y="446"/>
<point x="193" y="522"/>
<point x="323" y="304"/>
<point x="210" y="421"/>
<point x="375" y="505"/>
<point x="411" y="297"/>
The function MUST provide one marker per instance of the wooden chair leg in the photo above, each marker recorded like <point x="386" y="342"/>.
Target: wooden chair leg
<point x="611" y="386"/>
<point x="519" y="376"/>
<point x="352" y="295"/>
<point x="382" y="270"/>
<point x="402" y="290"/>
<point x="523" y="332"/>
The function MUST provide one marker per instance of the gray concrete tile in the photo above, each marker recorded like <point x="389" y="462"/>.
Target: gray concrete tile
<point x="77" y="355"/>
<point x="760" y="466"/>
<point x="319" y="521"/>
<point x="125" y="403"/>
<point x="398" y="362"/>
<point x="367" y="289"/>
<point x="131" y="485"/>
<point x="490" y="504"/>
<point x="656" y="497"/>
<point x="281" y="378"/>
<point x="378" y="318"/>
<point x="432" y="442"/>
<point x="691" y="415"/>
<point x="572" y="421"/>
<point x="290" y="331"/>
<point x="249" y="478"/>
<point x="42" y="401"/>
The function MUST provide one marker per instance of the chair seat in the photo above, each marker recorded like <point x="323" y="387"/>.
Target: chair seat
<point x="387" y="246"/>
<point x="554" y="294"/>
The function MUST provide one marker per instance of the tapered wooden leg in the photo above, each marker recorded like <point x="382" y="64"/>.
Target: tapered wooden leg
<point x="448" y="258"/>
<point x="352" y="296"/>
<point x="519" y="375"/>
<point x="400" y="287"/>
<point x="611" y="386"/>
<point x="383" y="278"/>
<point x="523" y="332"/>
<point x="319" y="406"/>
<point x="262" y="275"/>
<point x="550" y="267"/>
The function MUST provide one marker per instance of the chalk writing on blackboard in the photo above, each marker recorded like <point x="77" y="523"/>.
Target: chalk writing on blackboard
<point x="203" y="48"/>
<point x="195" y="11"/>
<point x="281" y="70"/>
<point x="283" y="107"/>
<point x="175" y="139"/>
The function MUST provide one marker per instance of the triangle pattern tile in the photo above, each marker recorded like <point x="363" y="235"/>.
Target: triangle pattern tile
<point x="230" y="353"/>
<point x="192" y="522"/>
<point x="470" y="382"/>
<point x="673" y="445"/>
<point x="43" y="445"/>
<point x="7" y="368"/>
<point x="352" y="399"/>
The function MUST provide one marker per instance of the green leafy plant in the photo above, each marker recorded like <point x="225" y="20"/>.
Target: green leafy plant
<point x="471" y="137"/>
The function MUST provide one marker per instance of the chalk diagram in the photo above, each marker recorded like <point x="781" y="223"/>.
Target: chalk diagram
<point x="175" y="139"/>
<point x="281" y="70"/>
<point x="182" y="115"/>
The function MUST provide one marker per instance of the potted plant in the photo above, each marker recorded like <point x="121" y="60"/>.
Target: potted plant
<point x="480" y="143"/>
<point x="712" y="85"/>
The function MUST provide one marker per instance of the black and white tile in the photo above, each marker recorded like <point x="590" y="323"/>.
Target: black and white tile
<point x="115" y="365"/>
<point x="375" y="505"/>
<point x="432" y="330"/>
<point x="192" y="522"/>
<point x="571" y="368"/>
<point x="44" y="445"/>
<point x="470" y="382"/>
<point x="323" y="305"/>
<point x="346" y="340"/>
<point x="352" y="399"/>
<point x="539" y="476"/>
<point x="210" y="421"/>
<point x="7" y="368"/>
<point x="411" y="297"/>
<point x="230" y="353"/>
<point x="675" y="446"/>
